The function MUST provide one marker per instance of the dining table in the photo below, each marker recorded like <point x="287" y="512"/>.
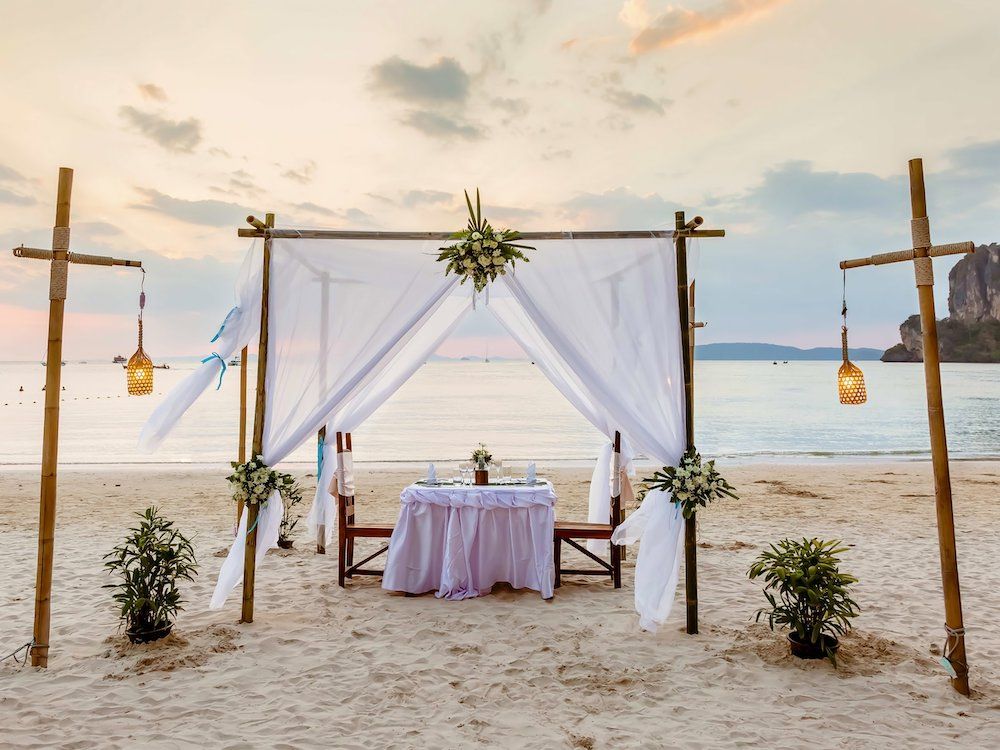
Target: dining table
<point x="459" y="539"/>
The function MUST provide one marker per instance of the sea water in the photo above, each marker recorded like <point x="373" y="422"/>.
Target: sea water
<point x="744" y="411"/>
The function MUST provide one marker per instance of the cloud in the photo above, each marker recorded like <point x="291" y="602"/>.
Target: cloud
<point x="206" y="212"/>
<point x="554" y="154"/>
<point x="795" y="189"/>
<point x="678" y="24"/>
<point x="414" y="198"/>
<point x="15" y="199"/>
<point x="511" y="214"/>
<point x="514" y="107"/>
<point x="352" y="216"/>
<point x="436" y="125"/>
<point x="174" y="135"/>
<point x="637" y="102"/>
<point x="152" y="91"/>
<point x="8" y="174"/>
<point x="303" y="175"/>
<point x="620" y="209"/>
<point x="444" y="81"/>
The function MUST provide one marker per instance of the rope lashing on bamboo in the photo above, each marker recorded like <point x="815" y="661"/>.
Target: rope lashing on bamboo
<point x="950" y="644"/>
<point x="893" y="257"/>
<point x="58" y="279"/>
<point x="60" y="238"/>
<point x="920" y="231"/>
<point x="923" y="269"/>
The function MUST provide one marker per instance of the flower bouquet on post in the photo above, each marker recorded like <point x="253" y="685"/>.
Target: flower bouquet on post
<point x="482" y="252"/>
<point x="481" y="459"/>
<point x="692" y="484"/>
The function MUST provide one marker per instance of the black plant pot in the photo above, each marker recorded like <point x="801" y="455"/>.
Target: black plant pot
<point x="286" y="543"/>
<point x="148" y="636"/>
<point x="809" y="650"/>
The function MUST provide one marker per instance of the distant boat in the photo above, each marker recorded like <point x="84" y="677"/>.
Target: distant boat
<point x="164" y="366"/>
<point x="119" y="359"/>
<point x="235" y="362"/>
<point x="44" y="363"/>
<point x="486" y="359"/>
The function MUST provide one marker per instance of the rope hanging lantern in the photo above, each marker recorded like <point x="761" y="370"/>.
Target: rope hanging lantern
<point x="139" y="370"/>
<point x="850" y="379"/>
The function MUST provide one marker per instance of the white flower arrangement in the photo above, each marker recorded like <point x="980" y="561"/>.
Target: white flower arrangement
<point x="692" y="484"/>
<point x="482" y="457"/>
<point x="254" y="481"/>
<point x="482" y="253"/>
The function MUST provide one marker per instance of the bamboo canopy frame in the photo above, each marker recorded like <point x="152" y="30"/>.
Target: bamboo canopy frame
<point x="921" y="254"/>
<point x="59" y="258"/>
<point x="681" y="233"/>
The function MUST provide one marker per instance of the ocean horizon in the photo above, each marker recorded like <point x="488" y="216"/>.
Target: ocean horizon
<point x="745" y="411"/>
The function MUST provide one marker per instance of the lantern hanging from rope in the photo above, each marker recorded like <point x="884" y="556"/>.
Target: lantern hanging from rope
<point x="139" y="371"/>
<point x="850" y="379"/>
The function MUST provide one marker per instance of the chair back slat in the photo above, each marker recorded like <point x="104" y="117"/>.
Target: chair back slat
<point x="345" y="503"/>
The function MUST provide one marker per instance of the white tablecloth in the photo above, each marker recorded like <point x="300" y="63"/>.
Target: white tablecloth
<point x="460" y="540"/>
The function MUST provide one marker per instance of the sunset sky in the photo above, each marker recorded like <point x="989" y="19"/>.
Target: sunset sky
<point x="787" y="122"/>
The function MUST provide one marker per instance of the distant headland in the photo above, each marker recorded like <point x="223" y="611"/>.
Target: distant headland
<point x="971" y="332"/>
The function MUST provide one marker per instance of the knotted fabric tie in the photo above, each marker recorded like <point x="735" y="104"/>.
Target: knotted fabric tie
<point x="209" y="358"/>
<point x="223" y="326"/>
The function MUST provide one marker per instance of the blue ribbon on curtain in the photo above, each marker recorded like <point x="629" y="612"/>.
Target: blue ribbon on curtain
<point x="209" y="358"/>
<point x="223" y="326"/>
<point x="319" y="456"/>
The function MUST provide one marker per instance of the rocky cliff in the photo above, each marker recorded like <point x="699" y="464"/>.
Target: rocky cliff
<point x="971" y="332"/>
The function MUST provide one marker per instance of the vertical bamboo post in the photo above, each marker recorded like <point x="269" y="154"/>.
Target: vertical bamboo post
<point x="324" y="344"/>
<point x="939" y="440"/>
<point x="690" y="531"/>
<point x="50" y="433"/>
<point x="241" y="452"/>
<point x="250" y="554"/>
<point x="320" y="528"/>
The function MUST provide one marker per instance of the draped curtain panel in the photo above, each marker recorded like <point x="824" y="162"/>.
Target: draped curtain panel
<point x="239" y="328"/>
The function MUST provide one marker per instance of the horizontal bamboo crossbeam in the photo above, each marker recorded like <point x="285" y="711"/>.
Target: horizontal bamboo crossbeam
<point x="338" y="234"/>
<point x="897" y="256"/>
<point x="87" y="260"/>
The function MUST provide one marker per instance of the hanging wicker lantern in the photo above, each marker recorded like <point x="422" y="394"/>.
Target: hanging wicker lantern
<point x="139" y="370"/>
<point x="850" y="379"/>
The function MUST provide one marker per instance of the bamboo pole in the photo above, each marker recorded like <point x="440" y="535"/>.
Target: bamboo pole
<point x="50" y="433"/>
<point x="690" y="530"/>
<point x="250" y="554"/>
<point x="320" y="528"/>
<point x="352" y="234"/>
<point x="939" y="442"/>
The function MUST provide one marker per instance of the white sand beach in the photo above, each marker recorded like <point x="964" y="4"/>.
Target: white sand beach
<point x="362" y="668"/>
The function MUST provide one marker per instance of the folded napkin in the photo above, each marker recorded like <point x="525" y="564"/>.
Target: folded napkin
<point x="530" y="478"/>
<point x="431" y="473"/>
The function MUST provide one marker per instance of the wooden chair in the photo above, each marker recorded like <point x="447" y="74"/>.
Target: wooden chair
<point x="570" y="531"/>
<point x="348" y="530"/>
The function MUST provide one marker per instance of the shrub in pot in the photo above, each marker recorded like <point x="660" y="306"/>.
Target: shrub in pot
<point x="150" y="562"/>
<point x="807" y="593"/>
<point x="291" y="495"/>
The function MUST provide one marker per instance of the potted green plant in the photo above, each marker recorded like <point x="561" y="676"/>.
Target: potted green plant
<point x="807" y="593"/>
<point x="150" y="562"/>
<point x="291" y="495"/>
<point x="481" y="460"/>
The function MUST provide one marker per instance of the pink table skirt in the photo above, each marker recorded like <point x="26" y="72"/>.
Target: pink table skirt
<point x="460" y="540"/>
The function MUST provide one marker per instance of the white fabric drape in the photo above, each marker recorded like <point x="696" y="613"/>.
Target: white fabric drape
<point x="406" y="362"/>
<point x="609" y="310"/>
<point x="340" y="313"/>
<point x="240" y="326"/>
<point x="268" y="528"/>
